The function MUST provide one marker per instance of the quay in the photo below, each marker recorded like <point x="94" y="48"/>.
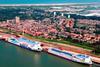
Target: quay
<point x="67" y="47"/>
<point x="74" y="50"/>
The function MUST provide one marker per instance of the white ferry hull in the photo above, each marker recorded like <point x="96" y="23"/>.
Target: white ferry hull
<point x="69" y="57"/>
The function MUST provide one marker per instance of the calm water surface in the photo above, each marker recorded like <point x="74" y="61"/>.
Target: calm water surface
<point x="13" y="56"/>
<point x="45" y="1"/>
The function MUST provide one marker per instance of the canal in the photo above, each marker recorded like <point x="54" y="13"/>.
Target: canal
<point x="13" y="56"/>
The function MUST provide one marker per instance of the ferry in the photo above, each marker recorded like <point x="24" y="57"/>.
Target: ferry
<point x="25" y="43"/>
<point x="81" y="58"/>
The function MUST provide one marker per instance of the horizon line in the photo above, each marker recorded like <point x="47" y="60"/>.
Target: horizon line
<point x="46" y="4"/>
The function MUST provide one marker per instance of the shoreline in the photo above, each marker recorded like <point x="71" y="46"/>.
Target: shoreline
<point x="48" y="4"/>
<point x="67" y="47"/>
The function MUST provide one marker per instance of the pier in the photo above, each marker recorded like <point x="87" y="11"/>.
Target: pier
<point x="70" y="48"/>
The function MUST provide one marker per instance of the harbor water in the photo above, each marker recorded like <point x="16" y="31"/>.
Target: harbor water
<point x="14" y="56"/>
